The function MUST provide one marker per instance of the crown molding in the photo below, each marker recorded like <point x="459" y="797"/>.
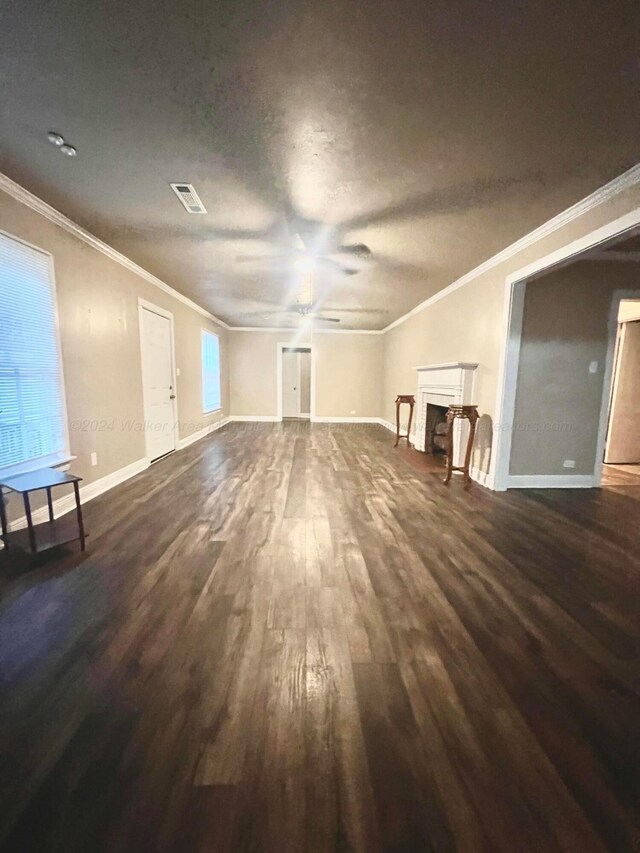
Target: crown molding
<point x="32" y="201"/>
<point x="627" y="180"/>
<point x="618" y="185"/>
<point x="293" y="329"/>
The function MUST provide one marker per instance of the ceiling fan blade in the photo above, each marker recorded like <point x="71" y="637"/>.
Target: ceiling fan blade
<point x="358" y="249"/>
<point x="245" y="259"/>
<point x="324" y="319"/>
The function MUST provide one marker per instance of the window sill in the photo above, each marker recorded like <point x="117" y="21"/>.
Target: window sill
<point x="57" y="461"/>
<point x="212" y="411"/>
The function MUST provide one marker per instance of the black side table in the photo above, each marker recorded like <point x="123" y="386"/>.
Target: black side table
<point x="50" y="534"/>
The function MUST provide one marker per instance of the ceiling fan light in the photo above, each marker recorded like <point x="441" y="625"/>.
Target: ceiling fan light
<point x="304" y="264"/>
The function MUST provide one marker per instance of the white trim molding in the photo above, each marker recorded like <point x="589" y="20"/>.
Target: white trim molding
<point x="87" y="493"/>
<point x="328" y="419"/>
<point x="626" y="181"/>
<point x="32" y="201"/>
<point x="623" y="182"/>
<point x="514" y="297"/>
<point x="241" y="419"/>
<point x="201" y="433"/>
<point x="552" y="481"/>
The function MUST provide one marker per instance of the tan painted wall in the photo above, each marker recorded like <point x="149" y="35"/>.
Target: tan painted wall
<point x="98" y="309"/>
<point x="565" y="328"/>
<point x="467" y="324"/>
<point x="348" y="368"/>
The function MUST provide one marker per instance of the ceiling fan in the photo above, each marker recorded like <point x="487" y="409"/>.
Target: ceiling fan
<point x="313" y="243"/>
<point x="304" y="312"/>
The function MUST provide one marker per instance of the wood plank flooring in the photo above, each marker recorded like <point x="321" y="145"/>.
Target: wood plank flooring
<point x="288" y="638"/>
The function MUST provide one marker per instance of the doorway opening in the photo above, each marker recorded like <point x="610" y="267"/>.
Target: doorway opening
<point x="295" y="383"/>
<point x="622" y="443"/>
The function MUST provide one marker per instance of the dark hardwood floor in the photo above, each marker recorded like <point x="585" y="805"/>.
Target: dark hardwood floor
<point x="288" y="638"/>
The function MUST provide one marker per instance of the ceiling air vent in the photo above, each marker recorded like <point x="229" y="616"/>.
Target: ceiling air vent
<point x="189" y="198"/>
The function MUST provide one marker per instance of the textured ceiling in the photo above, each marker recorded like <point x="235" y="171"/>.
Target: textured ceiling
<point x="434" y="132"/>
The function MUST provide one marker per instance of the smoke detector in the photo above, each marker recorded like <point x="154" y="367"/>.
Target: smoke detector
<point x="189" y="198"/>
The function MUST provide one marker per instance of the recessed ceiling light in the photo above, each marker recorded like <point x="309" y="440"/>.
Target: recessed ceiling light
<point x="55" y="138"/>
<point x="69" y="150"/>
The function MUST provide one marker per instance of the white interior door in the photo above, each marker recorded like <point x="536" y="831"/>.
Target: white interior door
<point x="157" y="383"/>
<point x="304" y="377"/>
<point x="290" y="385"/>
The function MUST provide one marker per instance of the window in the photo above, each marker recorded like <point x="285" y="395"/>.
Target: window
<point x="32" y="412"/>
<point x="210" y="372"/>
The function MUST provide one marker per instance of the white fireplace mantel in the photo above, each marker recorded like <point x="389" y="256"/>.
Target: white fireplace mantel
<point x="451" y="383"/>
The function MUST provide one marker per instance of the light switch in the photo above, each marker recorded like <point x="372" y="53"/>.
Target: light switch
<point x="177" y="371"/>
<point x="593" y="367"/>
<point x="94" y="458"/>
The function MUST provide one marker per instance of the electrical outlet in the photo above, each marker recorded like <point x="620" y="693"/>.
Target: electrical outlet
<point x="353" y="411"/>
<point x="569" y="463"/>
<point x="94" y="458"/>
<point x="177" y="371"/>
<point x="593" y="367"/>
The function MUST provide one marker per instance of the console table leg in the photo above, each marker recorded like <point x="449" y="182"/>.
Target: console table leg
<point x="467" y="456"/>
<point x="449" y="450"/>
<point x="50" y="504"/>
<point x="397" y="424"/>
<point x="409" y="425"/>
<point x="3" y="520"/>
<point x="32" y="533"/>
<point x="76" y="489"/>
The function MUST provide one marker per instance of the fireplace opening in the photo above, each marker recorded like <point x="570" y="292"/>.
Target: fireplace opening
<point x="436" y="429"/>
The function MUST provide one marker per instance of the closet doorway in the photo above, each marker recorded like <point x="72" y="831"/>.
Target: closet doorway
<point x="295" y="382"/>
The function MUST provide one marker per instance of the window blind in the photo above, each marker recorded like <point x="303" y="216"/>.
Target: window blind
<point x="211" y="399"/>
<point x="31" y="396"/>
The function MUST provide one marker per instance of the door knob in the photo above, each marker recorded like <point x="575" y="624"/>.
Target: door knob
<point x="172" y="396"/>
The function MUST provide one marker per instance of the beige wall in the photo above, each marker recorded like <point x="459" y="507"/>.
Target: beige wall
<point x="467" y="324"/>
<point x="348" y="367"/>
<point x="98" y="309"/>
<point x="558" y="401"/>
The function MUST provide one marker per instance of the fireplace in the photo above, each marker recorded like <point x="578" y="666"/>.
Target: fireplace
<point x="435" y="420"/>
<point x="440" y="386"/>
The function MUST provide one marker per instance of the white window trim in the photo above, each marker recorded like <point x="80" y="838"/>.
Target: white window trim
<point x="63" y="456"/>
<point x="213" y="411"/>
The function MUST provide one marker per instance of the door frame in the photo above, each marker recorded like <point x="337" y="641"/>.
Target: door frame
<point x="513" y="314"/>
<point x="606" y="410"/>
<point x="145" y="305"/>
<point x="280" y="348"/>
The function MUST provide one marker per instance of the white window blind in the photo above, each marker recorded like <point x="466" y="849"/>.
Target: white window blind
<point x="211" y="399"/>
<point x="32" y="417"/>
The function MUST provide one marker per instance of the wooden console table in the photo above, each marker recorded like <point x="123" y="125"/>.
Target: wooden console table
<point x="50" y="534"/>
<point x="411" y="400"/>
<point x="469" y="413"/>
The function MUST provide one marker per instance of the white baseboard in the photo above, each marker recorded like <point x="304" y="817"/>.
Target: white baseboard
<point x="550" y="481"/>
<point x="254" y="418"/>
<point x="196" y="436"/>
<point x="484" y="478"/>
<point x="328" y="419"/>
<point x="99" y="487"/>
<point x="87" y="493"/>
<point x="392" y="428"/>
